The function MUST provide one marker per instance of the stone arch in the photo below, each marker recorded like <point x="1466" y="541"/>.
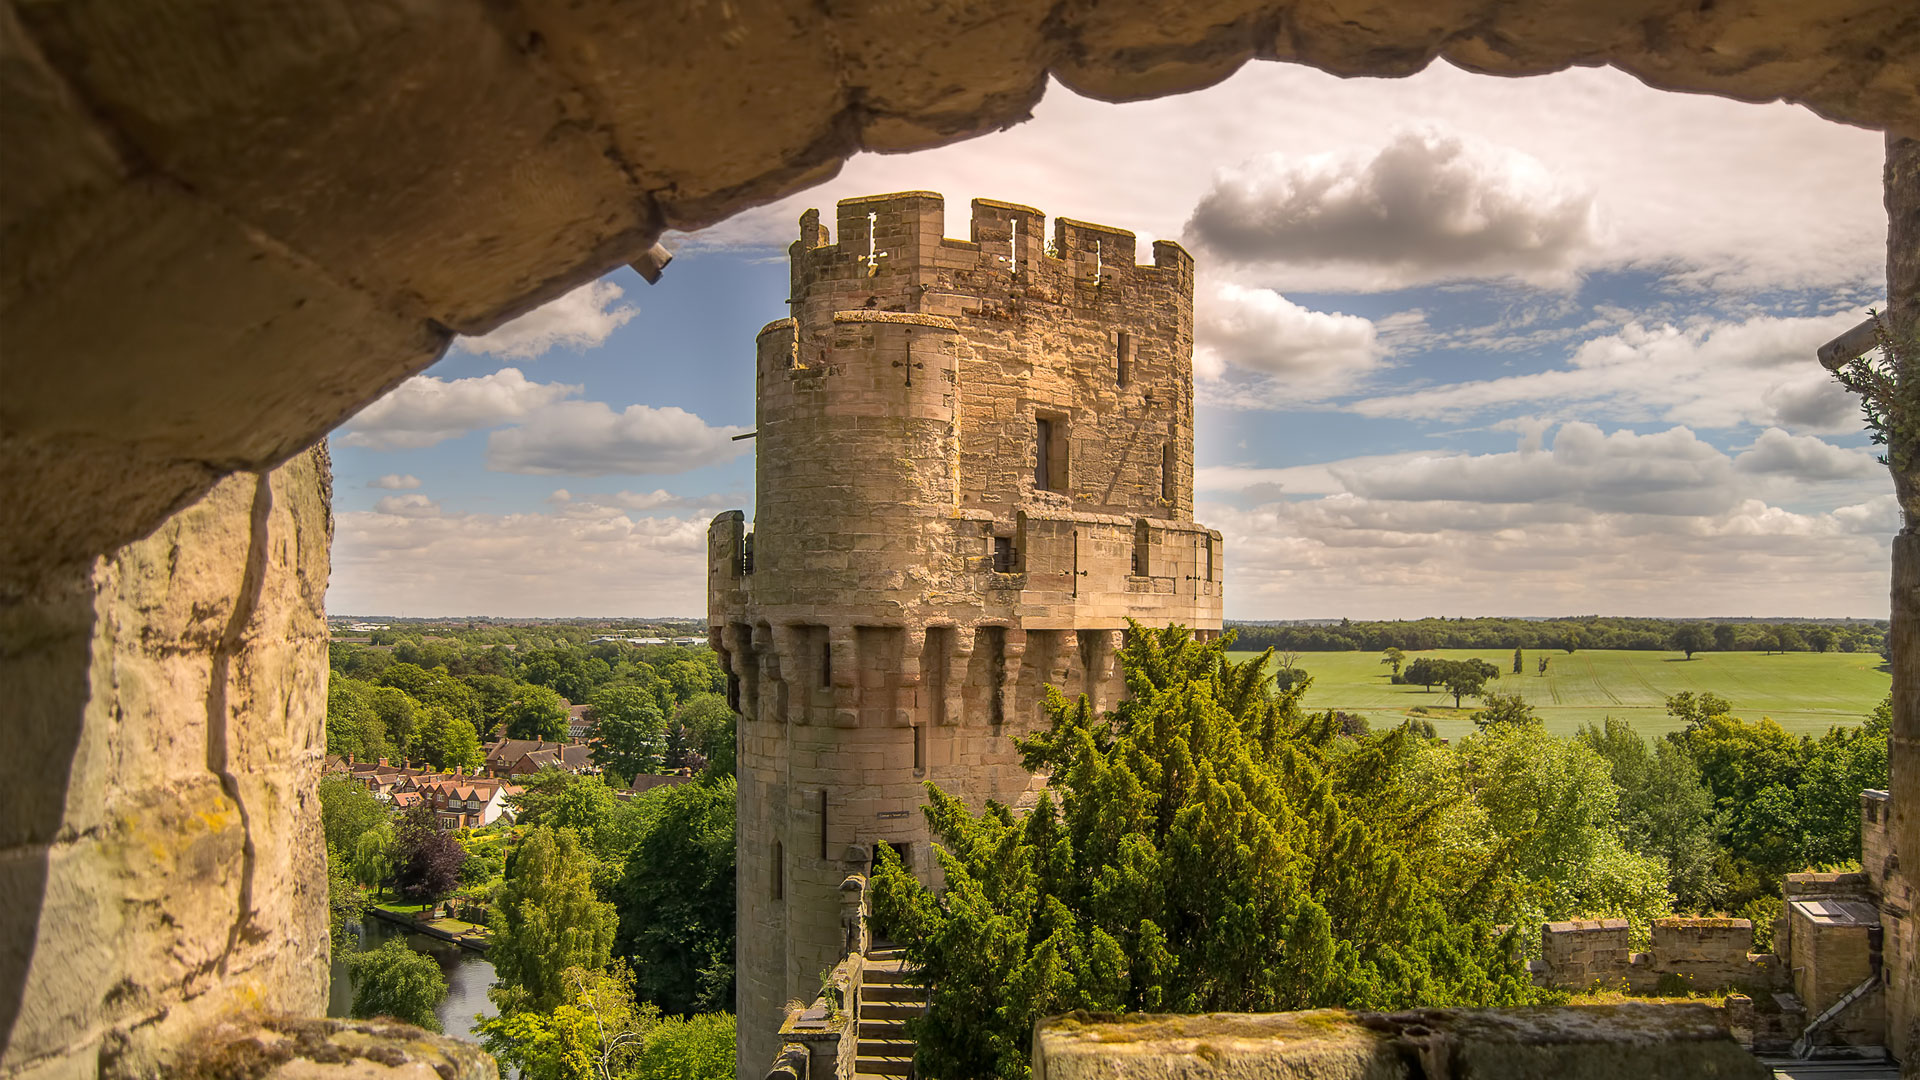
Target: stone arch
<point x="295" y="210"/>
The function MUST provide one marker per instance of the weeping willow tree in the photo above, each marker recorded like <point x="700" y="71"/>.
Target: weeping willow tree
<point x="1206" y="846"/>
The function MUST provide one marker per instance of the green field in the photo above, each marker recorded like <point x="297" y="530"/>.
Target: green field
<point x="1804" y="692"/>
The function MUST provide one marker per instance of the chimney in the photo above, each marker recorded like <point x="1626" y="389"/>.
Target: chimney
<point x="383" y="763"/>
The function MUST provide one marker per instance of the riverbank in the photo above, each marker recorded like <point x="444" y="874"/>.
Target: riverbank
<point x="464" y="934"/>
<point x="467" y="972"/>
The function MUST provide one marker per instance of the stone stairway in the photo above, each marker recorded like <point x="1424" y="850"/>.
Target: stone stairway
<point x="887" y="1001"/>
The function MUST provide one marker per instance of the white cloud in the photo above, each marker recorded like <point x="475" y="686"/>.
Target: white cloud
<point x="425" y="410"/>
<point x="587" y="438"/>
<point x="1429" y="205"/>
<point x="413" y="506"/>
<point x="1261" y="331"/>
<point x="582" y="319"/>
<point x="395" y="482"/>
<point x="1656" y="524"/>
<point x="524" y="565"/>
<point x="1742" y="196"/>
<point x="1710" y="374"/>
<point x="1803" y="457"/>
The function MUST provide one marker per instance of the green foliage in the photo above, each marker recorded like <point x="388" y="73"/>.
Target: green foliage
<point x="1205" y="847"/>
<point x="596" y="1026"/>
<point x="347" y="809"/>
<point x="676" y="898"/>
<point x="545" y="919"/>
<point x="1762" y="911"/>
<point x="373" y="855"/>
<point x="1394" y="658"/>
<point x="426" y="861"/>
<point x="704" y="725"/>
<point x="346" y="904"/>
<point x="399" y="715"/>
<point x="1665" y="810"/>
<point x="1692" y="638"/>
<point x="540" y="713"/>
<point x="1419" y="635"/>
<point x="448" y="741"/>
<point x="631" y="729"/>
<point x="353" y="727"/>
<point x="395" y="981"/>
<point x="1781" y="803"/>
<point x="695" y="1048"/>
<point x="1504" y="709"/>
<point x="1548" y="808"/>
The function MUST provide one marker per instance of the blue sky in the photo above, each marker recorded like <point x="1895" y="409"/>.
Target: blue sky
<point x="1463" y="346"/>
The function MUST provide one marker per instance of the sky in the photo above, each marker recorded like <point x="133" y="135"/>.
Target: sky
<point x="1464" y="346"/>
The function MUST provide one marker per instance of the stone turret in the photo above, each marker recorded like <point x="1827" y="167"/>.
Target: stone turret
<point x="975" y="463"/>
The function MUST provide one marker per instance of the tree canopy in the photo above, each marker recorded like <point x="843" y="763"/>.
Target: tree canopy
<point x="545" y="919"/>
<point x="395" y="981"/>
<point x="676" y="898"/>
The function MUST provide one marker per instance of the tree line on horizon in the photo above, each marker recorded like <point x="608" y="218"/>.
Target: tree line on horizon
<point x="1586" y="632"/>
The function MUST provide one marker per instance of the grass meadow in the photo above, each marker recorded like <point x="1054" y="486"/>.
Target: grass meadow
<point x="1805" y="692"/>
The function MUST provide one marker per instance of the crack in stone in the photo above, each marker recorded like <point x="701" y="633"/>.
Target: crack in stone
<point x="219" y="749"/>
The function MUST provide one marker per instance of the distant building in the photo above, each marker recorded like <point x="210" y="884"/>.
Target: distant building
<point x="524" y="757"/>
<point x="580" y="723"/>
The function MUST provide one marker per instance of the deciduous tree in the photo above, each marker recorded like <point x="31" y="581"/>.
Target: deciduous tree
<point x="426" y="861"/>
<point x="631" y="731"/>
<point x="676" y="898"/>
<point x="540" y="713"/>
<point x="1394" y="657"/>
<point x="1690" y="639"/>
<point x="395" y="981"/>
<point x="545" y="919"/>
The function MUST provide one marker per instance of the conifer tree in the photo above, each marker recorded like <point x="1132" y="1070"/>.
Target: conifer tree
<point x="1204" y="847"/>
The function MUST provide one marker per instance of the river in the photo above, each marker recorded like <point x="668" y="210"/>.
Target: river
<point x="468" y="976"/>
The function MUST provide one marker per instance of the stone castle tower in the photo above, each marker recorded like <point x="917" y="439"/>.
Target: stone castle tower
<point x="975" y="463"/>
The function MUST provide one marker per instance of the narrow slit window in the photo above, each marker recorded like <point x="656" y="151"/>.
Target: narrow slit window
<point x="919" y="750"/>
<point x="826" y="665"/>
<point x="1167" y="464"/>
<point x="779" y="871"/>
<point x="1123" y="359"/>
<point x="1142" y="539"/>
<point x="1043" y="454"/>
<point x="823" y="823"/>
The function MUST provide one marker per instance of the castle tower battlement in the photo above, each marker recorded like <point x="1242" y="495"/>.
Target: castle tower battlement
<point x="974" y="465"/>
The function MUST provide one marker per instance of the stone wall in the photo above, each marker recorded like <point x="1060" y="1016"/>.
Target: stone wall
<point x="1681" y="1041"/>
<point x="164" y="866"/>
<point x="1698" y="953"/>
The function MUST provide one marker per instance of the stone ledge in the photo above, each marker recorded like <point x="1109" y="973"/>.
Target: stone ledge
<point x="1647" y="1042"/>
<point x="285" y="1048"/>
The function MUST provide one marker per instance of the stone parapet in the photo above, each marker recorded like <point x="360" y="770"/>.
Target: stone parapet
<point x="1646" y="1042"/>
<point x="284" y="1048"/>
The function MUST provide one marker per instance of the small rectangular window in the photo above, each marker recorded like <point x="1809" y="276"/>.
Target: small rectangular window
<point x="1003" y="554"/>
<point x="1123" y="359"/>
<point x="1050" y="452"/>
<point x="1142" y="539"/>
<point x="779" y="871"/>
